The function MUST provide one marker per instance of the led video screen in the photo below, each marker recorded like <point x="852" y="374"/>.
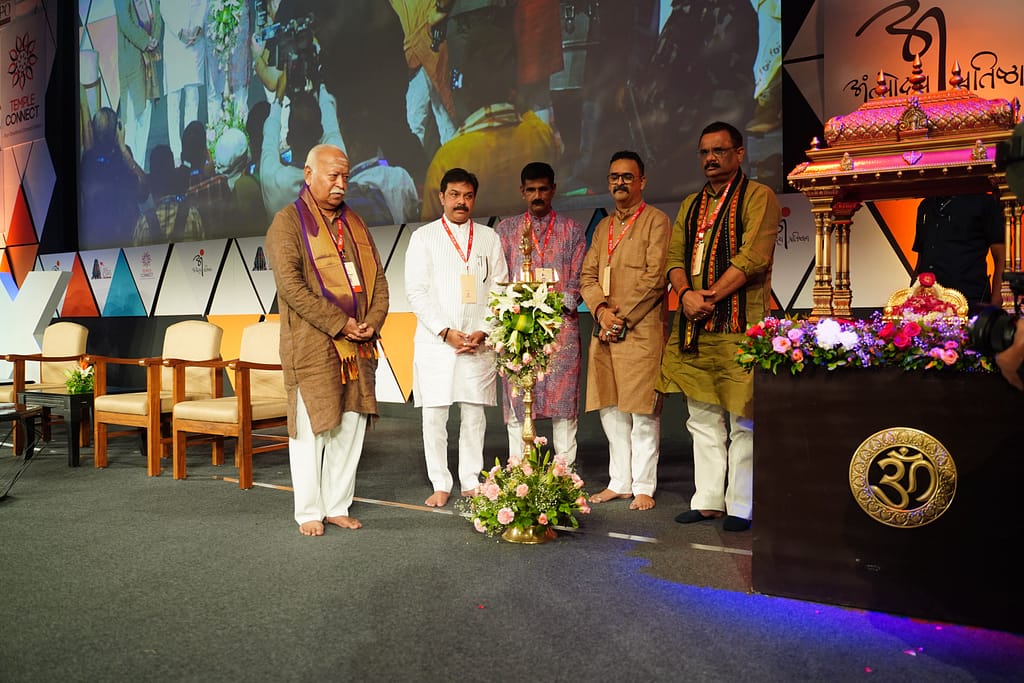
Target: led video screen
<point x="196" y="115"/>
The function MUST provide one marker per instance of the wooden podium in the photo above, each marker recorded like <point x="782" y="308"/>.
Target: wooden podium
<point x="812" y="540"/>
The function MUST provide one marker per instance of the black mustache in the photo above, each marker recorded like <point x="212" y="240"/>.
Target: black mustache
<point x="538" y="202"/>
<point x="710" y="166"/>
<point x="622" y="188"/>
<point x="461" y="207"/>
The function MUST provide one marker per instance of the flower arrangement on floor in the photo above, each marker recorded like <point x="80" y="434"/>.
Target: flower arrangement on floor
<point x="79" y="380"/>
<point x="526" y="318"/>
<point x="536" y="490"/>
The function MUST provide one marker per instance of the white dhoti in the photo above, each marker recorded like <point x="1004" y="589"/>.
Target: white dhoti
<point x="723" y="461"/>
<point x="473" y="424"/>
<point x="324" y="465"/>
<point x="632" y="451"/>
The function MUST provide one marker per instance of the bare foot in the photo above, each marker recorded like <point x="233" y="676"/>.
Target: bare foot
<point x="606" y="496"/>
<point x="469" y="494"/>
<point x="438" y="499"/>
<point x="314" y="528"/>
<point x="641" y="501"/>
<point x="345" y="522"/>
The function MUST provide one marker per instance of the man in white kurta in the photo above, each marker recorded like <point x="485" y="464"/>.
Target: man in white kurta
<point x="450" y="268"/>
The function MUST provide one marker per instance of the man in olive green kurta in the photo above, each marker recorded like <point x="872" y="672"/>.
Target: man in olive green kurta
<point x="720" y="261"/>
<point x="623" y="284"/>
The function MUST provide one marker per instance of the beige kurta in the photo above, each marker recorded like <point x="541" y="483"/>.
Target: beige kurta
<point x="309" y="322"/>
<point x="623" y="374"/>
<point x="712" y="375"/>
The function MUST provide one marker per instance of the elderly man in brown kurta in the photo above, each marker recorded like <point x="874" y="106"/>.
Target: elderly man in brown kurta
<point x="332" y="297"/>
<point x="623" y="284"/>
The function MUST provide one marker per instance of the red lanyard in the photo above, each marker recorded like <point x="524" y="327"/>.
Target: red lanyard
<point x="469" y="246"/>
<point x="710" y="220"/>
<point x="341" y="238"/>
<point x="611" y="230"/>
<point x="547" y="238"/>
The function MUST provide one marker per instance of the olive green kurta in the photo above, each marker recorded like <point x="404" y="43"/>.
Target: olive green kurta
<point x="309" y="322"/>
<point x="623" y="374"/>
<point x="712" y="375"/>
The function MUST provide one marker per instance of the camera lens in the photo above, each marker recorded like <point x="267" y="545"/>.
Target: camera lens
<point x="992" y="331"/>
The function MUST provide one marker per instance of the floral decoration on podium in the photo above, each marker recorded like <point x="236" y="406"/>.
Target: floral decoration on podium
<point x="923" y="327"/>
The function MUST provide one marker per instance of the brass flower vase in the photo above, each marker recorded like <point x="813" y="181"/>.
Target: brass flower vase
<point x="531" y="535"/>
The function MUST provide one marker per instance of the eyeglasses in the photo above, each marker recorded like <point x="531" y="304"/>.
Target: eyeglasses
<point x="717" y="152"/>
<point x="624" y="177"/>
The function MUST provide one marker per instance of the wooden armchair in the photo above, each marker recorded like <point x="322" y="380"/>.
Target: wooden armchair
<point x="63" y="347"/>
<point x="191" y="340"/>
<point x="260" y="402"/>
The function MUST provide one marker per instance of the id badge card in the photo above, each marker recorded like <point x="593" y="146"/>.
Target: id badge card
<point x="544" y="274"/>
<point x="353" y="276"/>
<point x="467" y="285"/>
<point x="606" y="280"/>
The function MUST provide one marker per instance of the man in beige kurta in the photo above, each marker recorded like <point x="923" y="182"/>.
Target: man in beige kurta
<point x="333" y="298"/>
<point x="623" y="285"/>
<point x="720" y="262"/>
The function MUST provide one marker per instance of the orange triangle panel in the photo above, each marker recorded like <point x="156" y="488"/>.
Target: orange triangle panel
<point x="21" y="231"/>
<point x="900" y="216"/>
<point x="79" y="301"/>
<point x="396" y="340"/>
<point x="23" y="259"/>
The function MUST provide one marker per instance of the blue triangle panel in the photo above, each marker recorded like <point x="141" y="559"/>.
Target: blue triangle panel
<point x="123" y="299"/>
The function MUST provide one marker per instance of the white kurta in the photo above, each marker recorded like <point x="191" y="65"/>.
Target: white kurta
<point x="183" y="64"/>
<point x="433" y="273"/>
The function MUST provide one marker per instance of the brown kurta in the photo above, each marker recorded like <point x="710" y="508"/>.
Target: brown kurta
<point x="623" y="374"/>
<point x="309" y="322"/>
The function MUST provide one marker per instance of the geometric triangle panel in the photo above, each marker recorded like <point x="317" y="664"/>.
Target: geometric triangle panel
<point x="794" y="246"/>
<point x="876" y="271"/>
<point x="254" y="258"/>
<point x="191" y="272"/>
<point x="147" y="265"/>
<point x="99" y="264"/>
<point x="65" y="261"/>
<point x="235" y="294"/>
<point x="22" y="260"/>
<point x="78" y="300"/>
<point x="123" y="299"/>
<point x="899" y="219"/>
<point x="397" y="349"/>
<point x="39" y="180"/>
<point x="20" y="231"/>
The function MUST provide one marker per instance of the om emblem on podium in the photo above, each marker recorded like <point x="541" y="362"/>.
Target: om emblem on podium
<point x="903" y="477"/>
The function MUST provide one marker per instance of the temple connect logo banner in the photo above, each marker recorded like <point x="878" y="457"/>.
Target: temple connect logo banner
<point x="24" y="47"/>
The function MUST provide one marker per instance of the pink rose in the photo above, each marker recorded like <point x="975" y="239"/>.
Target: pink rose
<point x="781" y="344"/>
<point x="492" y="491"/>
<point x="581" y="501"/>
<point x="949" y="356"/>
<point x="585" y="509"/>
<point x="887" y="331"/>
<point x="542" y="518"/>
<point x="797" y="355"/>
<point x="540" y="440"/>
<point x="950" y="344"/>
<point x="559" y="469"/>
<point x="548" y="350"/>
<point x="514" y="461"/>
<point x="499" y="347"/>
<point x="478" y="525"/>
<point x="901" y="341"/>
<point x="577" y="481"/>
<point x="935" y="352"/>
<point x="926" y="279"/>
<point x="527" y="470"/>
<point x="795" y="335"/>
<point x="755" y="331"/>
<point x="911" y="329"/>
<point x="505" y="516"/>
<point x="522" y="490"/>
<point x="527" y="358"/>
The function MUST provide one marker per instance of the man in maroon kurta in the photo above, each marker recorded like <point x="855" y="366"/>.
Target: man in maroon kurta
<point x="559" y="243"/>
<point x="333" y="298"/>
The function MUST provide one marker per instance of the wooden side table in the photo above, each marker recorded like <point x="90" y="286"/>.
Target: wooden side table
<point x="72" y="407"/>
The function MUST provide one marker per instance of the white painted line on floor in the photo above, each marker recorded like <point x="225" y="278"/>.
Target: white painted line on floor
<point x="425" y="508"/>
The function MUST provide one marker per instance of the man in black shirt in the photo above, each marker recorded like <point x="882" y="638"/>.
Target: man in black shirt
<point x="954" y="236"/>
